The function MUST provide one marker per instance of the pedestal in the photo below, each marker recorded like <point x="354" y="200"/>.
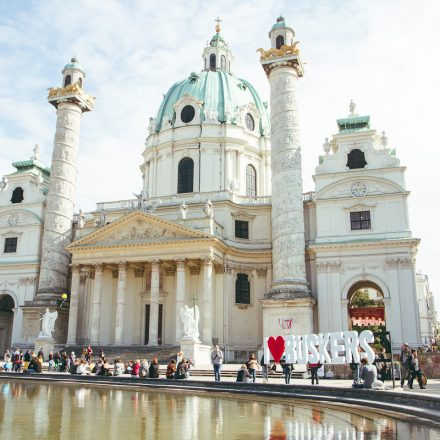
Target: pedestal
<point x="198" y="353"/>
<point x="45" y="343"/>
<point x="292" y="316"/>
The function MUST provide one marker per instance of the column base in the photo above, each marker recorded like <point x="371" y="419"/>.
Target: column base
<point x="288" y="290"/>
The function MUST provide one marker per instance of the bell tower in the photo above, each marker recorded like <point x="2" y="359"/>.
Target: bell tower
<point x="217" y="56"/>
<point x="70" y="102"/>
<point x="289" y="296"/>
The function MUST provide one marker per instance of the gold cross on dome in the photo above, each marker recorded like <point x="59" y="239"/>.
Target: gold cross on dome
<point x="217" y="28"/>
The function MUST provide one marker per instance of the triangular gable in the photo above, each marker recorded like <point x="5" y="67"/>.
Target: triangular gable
<point x="137" y="227"/>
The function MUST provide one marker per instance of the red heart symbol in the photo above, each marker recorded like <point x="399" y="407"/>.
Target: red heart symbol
<point x="276" y="347"/>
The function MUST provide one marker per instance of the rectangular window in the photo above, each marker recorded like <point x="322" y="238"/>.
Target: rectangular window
<point x="241" y="229"/>
<point x="11" y="244"/>
<point x="242" y="289"/>
<point x="360" y="220"/>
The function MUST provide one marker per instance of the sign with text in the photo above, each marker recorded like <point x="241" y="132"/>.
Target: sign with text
<point x="325" y="348"/>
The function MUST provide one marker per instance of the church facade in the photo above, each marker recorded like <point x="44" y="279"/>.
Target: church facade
<point x="221" y="222"/>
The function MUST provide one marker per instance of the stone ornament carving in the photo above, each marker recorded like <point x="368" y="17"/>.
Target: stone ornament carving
<point x="211" y="116"/>
<point x="13" y="219"/>
<point x="81" y="219"/>
<point x="183" y="211"/>
<point x="330" y="266"/>
<point x="358" y="189"/>
<point x="3" y="183"/>
<point x="190" y="319"/>
<point x="48" y="324"/>
<point x="392" y="263"/>
<point x="209" y="209"/>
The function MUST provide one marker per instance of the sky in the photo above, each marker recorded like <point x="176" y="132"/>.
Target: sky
<point x="382" y="54"/>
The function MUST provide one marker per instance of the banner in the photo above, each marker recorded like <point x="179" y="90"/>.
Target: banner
<point x="326" y="348"/>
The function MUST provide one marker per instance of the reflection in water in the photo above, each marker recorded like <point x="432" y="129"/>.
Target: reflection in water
<point x="65" y="412"/>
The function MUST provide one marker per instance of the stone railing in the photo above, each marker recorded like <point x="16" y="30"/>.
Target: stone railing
<point x="189" y="198"/>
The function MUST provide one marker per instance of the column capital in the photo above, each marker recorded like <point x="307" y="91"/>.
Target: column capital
<point x="76" y="268"/>
<point x="155" y="262"/>
<point x="98" y="267"/>
<point x="180" y="263"/>
<point x="208" y="261"/>
<point x="122" y="266"/>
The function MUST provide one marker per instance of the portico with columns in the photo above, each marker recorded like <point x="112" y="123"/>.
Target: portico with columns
<point x="131" y="277"/>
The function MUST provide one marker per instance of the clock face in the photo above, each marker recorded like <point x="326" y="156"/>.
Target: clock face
<point x="358" y="189"/>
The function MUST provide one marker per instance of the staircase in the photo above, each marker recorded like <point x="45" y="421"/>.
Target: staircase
<point x="164" y="353"/>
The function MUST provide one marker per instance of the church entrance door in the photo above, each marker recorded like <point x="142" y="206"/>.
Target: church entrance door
<point x="6" y="321"/>
<point x="147" y="324"/>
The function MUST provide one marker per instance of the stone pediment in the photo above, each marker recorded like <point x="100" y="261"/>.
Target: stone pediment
<point x="359" y="187"/>
<point x="138" y="228"/>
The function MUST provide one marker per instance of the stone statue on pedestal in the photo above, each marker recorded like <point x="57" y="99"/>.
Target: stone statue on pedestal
<point x="48" y="324"/>
<point x="190" y="319"/>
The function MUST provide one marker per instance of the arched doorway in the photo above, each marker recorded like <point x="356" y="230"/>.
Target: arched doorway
<point x="366" y="311"/>
<point x="6" y="321"/>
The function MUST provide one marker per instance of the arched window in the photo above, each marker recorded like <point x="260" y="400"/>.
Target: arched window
<point x="356" y="159"/>
<point x="17" y="195"/>
<point x="242" y="289"/>
<point x="67" y="80"/>
<point x="80" y="82"/>
<point x="279" y="41"/>
<point x="185" y="177"/>
<point x="223" y="62"/>
<point x="212" y="62"/>
<point x="251" y="181"/>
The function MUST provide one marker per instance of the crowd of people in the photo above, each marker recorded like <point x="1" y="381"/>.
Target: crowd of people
<point x="365" y="375"/>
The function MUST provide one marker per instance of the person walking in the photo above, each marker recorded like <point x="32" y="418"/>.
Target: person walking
<point x="314" y="372"/>
<point x="287" y="370"/>
<point x="89" y="354"/>
<point x="264" y="370"/>
<point x="252" y="366"/>
<point x="217" y="361"/>
<point x="405" y="360"/>
<point x="414" y="370"/>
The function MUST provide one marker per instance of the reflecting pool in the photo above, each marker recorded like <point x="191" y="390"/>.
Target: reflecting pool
<point x="39" y="410"/>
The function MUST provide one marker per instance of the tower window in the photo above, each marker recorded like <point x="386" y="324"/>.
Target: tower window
<point x="10" y="245"/>
<point x="80" y="82"/>
<point x="67" y="80"/>
<point x="17" y="195"/>
<point x="241" y="229"/>
<point x="212" y="62"/>
<point x="279" y="41"/>
<point x="250" y="123"/>
<point x="360" y="220"/>
<point x="185" y="177"/>
<point x="223" y="62"/>
<point x="187" y="114"/>
<point x="242" y="289"/>
<point x="356" y="159"/>
<point x="251" y="181"/>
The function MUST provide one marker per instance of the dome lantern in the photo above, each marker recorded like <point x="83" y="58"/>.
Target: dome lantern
<point x="217" y="55"/>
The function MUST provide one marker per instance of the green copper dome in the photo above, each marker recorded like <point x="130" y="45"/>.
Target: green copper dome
<point x="220" y="92"/>
<point x="74" y="64"/>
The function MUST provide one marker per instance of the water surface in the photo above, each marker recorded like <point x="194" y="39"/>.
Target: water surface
<point x="39" y="410"/>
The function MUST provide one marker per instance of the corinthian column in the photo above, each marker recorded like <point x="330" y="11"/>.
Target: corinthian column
<point x="73" y="311"/>
<point x="154" y="305"/>
<point x="180" y="296"/>
<point x="120" y="303"/>
<point x="207" y="301"/>
<point x="96" y="306"/>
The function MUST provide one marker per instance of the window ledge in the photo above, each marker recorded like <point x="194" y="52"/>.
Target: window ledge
<point x="243" y="306"/>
